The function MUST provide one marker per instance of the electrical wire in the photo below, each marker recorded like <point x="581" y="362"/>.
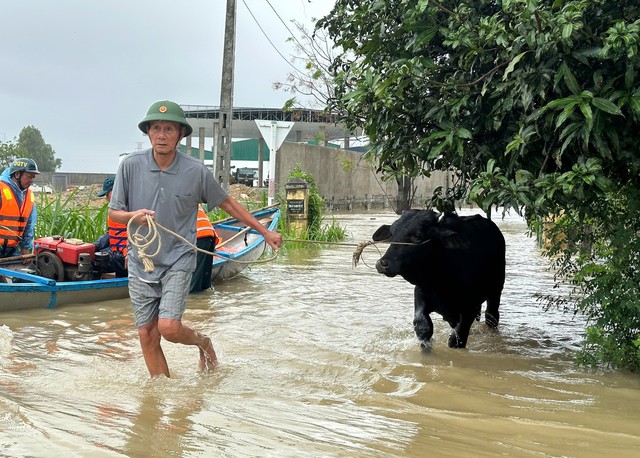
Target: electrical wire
<point x="267" y="37"/>
<point x="285" y="25"/>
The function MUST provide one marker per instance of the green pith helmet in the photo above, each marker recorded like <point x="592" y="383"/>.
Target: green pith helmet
<point x="165" y="110"/>
<point x="23" y="164"/>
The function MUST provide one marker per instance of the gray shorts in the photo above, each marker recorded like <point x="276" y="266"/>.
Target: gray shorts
<point x="166" y="298"/>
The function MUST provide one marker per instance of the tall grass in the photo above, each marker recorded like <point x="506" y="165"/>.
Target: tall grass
<point x="60" y="215"/>
<point x="70" y="217"/>
<point x="316" y="230"/>
<point x="330" y="232"/>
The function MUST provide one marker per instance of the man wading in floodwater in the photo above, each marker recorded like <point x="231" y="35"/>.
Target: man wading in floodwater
<point x="167" y="186"/>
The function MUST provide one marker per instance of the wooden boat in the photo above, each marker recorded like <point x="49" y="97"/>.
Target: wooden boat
<point x="240" y="245"/>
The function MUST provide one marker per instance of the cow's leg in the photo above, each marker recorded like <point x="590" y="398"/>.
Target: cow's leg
<point x="491" y="314"/>
<point x="460" y="334"/>
<point x="422" y="324"/>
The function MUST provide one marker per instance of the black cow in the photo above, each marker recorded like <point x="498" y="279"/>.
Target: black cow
<point x="455" y="262"/>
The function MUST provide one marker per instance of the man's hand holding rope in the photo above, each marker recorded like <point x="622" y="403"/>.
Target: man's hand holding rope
<point x="273" y="239"/>
<point x="140" y="217"/>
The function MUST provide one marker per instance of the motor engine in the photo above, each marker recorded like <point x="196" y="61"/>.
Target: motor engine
<point x="68" y="259"/>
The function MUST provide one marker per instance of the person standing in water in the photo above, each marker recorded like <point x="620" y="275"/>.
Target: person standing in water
<point x="167" y="186"/>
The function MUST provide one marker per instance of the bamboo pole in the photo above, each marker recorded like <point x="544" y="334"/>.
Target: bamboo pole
<point x="21" y="257"/>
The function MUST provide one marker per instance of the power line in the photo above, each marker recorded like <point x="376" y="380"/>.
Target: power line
<point x="267" y="37"/>
<point x="285" y="25"/>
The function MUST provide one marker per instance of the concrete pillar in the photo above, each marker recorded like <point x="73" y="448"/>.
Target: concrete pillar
<point x="260" y="161"/>
<point x="323" y="135"/>
<point x="214" y="147"/>
<point x="201" y="144"/>
<point x="297" y="193"/>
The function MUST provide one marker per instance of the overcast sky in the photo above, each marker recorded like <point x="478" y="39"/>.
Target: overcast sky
<point x="84" y="72"/>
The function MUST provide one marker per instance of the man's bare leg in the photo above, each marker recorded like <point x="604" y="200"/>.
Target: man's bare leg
<point x="175" y="331"/>
<point x="208" y="358"/>
<point x="151" y="349"/>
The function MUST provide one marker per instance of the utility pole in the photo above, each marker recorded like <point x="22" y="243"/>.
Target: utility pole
<point x="223" y="137"/>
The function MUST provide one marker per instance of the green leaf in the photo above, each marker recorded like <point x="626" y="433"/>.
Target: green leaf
<point x="437" y="135"/>
<point x="562" y="103"/>
<point x="571" y="128"/>
<point x="634" y="102"/>
<point x="568" y="111"/>
<point x="567" y="142"/>
<point x="606" y="106"/>
<point x="353" y="94"/>
<point x="629" y="77"/>
<point x="523" y="175"/>
<point x="463" y="133"/>
<point x="586" y="111"/>
<point x="570" y="80"/>
<point x="512" y="65"/>
<point x="490" y="164"/>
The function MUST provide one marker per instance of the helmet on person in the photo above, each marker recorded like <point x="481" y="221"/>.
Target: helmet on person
<point x="23" y="164"/>
<point x="165" y="110"/>
<point x="107" y="186"/>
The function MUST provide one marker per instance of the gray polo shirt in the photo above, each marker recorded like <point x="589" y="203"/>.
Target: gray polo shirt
<point x="174" y="195"/>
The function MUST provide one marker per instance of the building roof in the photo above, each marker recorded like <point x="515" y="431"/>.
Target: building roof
<point x="309" y="124"/>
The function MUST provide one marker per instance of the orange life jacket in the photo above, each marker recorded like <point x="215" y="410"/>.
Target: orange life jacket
<point x="204" y="228"/>
<point x="117" y="236"/>
<point x="13" y="218"/>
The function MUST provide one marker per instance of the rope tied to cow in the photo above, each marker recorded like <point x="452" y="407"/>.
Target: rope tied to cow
<point x="357" y="254"/>
<point x="359" y="247"/>
<point x="143" y="240"/>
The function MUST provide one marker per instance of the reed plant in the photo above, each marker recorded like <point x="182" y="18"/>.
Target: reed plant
<point x="330" y="232"/>
<point x="317" y="229"/>
<point x="64" y="215"/>
<point x="71" y="215"/>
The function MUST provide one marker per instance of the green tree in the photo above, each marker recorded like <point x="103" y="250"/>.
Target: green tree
<point x="536" y="106"/>
<point x="7" y="154"/>
<point x="311" y="77"/>
<point x="31" y="144"/>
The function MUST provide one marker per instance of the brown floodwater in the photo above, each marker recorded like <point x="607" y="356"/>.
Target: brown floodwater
<point x="319" y="359"/>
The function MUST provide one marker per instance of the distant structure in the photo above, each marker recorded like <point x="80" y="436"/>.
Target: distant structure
<point x="314" y="125"/>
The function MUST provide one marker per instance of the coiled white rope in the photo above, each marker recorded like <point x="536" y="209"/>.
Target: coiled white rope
<point x="142" y="241"/>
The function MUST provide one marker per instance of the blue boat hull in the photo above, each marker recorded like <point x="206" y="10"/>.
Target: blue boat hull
<point x="239" y="244"/>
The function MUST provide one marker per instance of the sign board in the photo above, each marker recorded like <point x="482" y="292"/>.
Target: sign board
<point x="274" y="133"/>
<point x="295" y="206"/>
<point x="293" y="185"/>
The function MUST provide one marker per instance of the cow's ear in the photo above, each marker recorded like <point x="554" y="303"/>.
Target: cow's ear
<point x="453" y="240"/>
<point x="383" y="233"/>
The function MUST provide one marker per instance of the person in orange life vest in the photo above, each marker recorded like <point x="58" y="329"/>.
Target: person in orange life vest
<point x="206" y="240"/>
<point x="17" y="208"/>
<point x="115" y="240"/>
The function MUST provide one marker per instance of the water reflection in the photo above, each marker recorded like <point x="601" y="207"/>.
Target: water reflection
<point x="316" y="359"/>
